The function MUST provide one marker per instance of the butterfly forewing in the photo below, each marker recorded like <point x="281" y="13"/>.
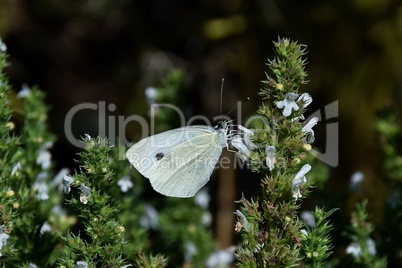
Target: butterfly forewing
<point x="180" y="161"/>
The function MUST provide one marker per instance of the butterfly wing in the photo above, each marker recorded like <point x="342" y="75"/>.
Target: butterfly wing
<point x="178" y="162"/>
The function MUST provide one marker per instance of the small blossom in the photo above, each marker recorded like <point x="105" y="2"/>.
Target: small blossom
<point x="3" y="47"/>
<point x="3" y="237"/>
<point x="299" y="179"/>
<point x="242" y="222"/>
<point x="242" y="142"/>
<point x="44" y="157"/>
<point x="67" y="180"/>
<point x="150" y="94"/>
<point x="15" y="168"/>
<point x="247" y="133"/>
<point x="306" y="99"/>
<point x="85" y="194"/>
<point x="45" y="228"/>
<point x="270" y="159"/>
<point x="355" y="181"/>
<point x="221" y="258"/>
<point x="288" y="104"/>
<point x="371" y="247"/>
<point x="308" y="129"/>
<point x="206" y="218"/>
<point x="80" y="264"/>
<point x="32" y="265"/>
<point x="58" y="179"/>
<point x="24" y="92"/>
<point x="308" y="217"/>
<point x="189" y="251"/>
<point x="41" y="187"/>
<point x="149" y="220"/>
<point x="202" y="198"/>
<point x="304" y="232"/>
<point x="242" y="151"/>
<point x="125" y="183"/>
<point x="354" y="249"/>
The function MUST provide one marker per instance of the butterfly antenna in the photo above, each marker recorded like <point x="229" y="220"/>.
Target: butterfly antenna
<point x="220" y="105"/>
<point x="234" y="108"/>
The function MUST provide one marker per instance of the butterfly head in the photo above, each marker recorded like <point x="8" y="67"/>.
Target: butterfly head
<point x="222" y="125"/>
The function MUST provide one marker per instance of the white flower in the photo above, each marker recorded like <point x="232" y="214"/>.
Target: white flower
<point x="85" y="194"/>
<point x="304" y="231"/>
<point x="206" y="218"/>
<point x="44" y="157"/>
<point x="24" y="92"/>
<point x="221" y="258"/>
<point x="80" y="264"/>
<point x="189" y="251"/>
<point x="125" y="266"/>
<point x="58" y="179"/>
<point x="308" y="217"/>
<point x="149" y="220"/>
<point x="354" y="249"/>
<point x="202" y="198"/>
<point x="306" y="99"/>
<point x="288" y="104"/>
<point x="32" y="265"/>
<point x="270" y="159"/>
<point x="125" y="183"/>
<point x="371" y="246"/>
<point x="242" y="142"/>
<point x="242" y="151"/>
<point x="3" y="48"/>
<point x="67" y="180"/>
<point x="299" y="179"/>
<point x="150" y="94"/>
<point x="247" y="133"/>
<point x="355" y="181"/>
<point x="45" y="228"/>
<point x="3" y="238"/>
<point x="308" y="129"/>
<point x="41" y="187"/>
<point x="15" y="168"/>
<point x="242" y="222"/>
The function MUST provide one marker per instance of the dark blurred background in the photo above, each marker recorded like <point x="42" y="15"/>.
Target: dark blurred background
<point x="98" y="50"/>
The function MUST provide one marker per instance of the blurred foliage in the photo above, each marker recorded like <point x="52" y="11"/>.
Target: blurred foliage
<point x="363" y="248"/>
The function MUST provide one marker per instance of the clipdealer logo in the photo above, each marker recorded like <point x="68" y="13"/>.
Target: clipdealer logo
<point x="114" y="126"/>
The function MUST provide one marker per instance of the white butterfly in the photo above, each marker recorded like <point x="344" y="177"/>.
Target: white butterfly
<point x="179" y="162"/>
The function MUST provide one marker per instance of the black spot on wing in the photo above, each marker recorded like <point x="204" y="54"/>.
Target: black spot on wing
<point x="159" y="156"/>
